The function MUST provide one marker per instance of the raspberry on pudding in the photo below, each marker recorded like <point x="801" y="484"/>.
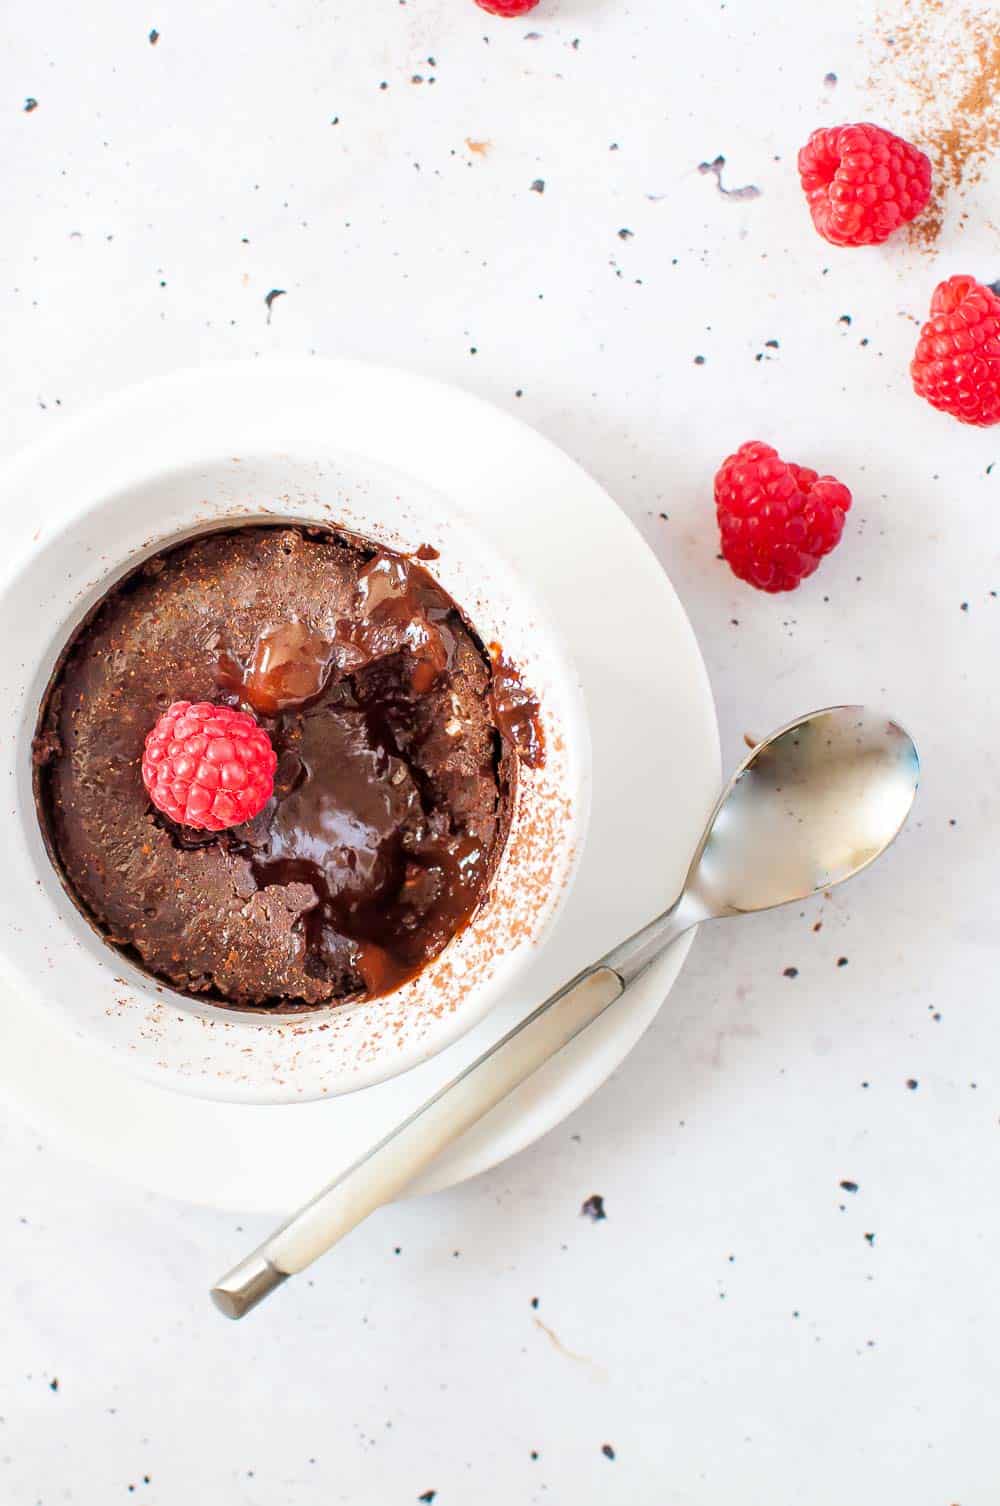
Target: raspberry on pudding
<point x="396" y="741"/>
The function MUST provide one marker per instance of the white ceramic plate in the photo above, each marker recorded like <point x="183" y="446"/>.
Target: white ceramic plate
<point x="655" y="777"/>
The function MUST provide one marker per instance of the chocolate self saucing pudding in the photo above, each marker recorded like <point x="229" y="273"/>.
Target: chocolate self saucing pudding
<point x="397" y="735"/>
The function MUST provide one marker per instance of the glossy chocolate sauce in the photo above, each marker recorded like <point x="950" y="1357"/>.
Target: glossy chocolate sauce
<point x="398" y="739"/>
<point x="516" y="710"/>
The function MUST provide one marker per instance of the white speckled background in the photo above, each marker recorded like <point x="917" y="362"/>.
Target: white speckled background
<point x="739" y="1328"/>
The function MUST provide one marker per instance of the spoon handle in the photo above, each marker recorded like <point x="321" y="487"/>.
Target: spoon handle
<point x="386" y="1169"/>
<point x="390" y="1166"/>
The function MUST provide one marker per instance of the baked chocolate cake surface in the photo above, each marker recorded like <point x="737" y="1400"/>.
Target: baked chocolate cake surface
<point x="393" y="795"/>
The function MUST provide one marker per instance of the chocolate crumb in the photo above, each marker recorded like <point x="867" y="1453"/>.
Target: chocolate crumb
<point x="607" y="1451"/>
<point x="625" y="234"/>
<point x="154" y="37"/>
<point x="849" y="1186"/>
<point x="871" y="1239"/>
<point x="534" y="1303"/>
<point x="790" y="972"/>
<point x="427" y="1497"/>
<point x="269" y="300"/>
<point x="841" y="961"/>
<point x="593" y="1208"/>
<point x="54" y="1384"/>
<point x="748" y="191"/>
<point x="30" y="104"/>
<point x="912" y="1084"/>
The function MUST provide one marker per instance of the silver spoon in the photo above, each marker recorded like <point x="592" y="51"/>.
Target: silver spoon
<point x="810" y="807"/>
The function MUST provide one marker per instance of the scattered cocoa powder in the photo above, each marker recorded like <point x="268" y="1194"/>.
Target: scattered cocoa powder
<point x="935" y="79"/>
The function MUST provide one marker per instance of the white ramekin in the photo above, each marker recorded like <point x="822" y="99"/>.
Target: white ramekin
<point x="107" y="517"/>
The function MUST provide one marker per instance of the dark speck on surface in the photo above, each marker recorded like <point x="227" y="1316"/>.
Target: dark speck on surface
<point x="791" y="972"/>
<point x="269" y="300"/>
<point x="830" y="80"/>
<point x="748" y="191"/>
<point x="841" y="961"/>
<point x="154" y="37"/>
<point x="54" y="1384"/>
<point x="428" y="1496"/>
<point x="538" y="186"/>
<point x="30" y="104"/>
<point x="912" y="1084"/>
<point x="593" y="1208"/>
<point x="534" y="1303"/>
<point x="849" y="1186"/>
<point x="844" y="319"/>
<point x="607" y="1451"/>
<point x="964" y="606"/>
<point x="625" y="234"/>
<point x="870" y="1238"/>
<point x="699" y="360"/>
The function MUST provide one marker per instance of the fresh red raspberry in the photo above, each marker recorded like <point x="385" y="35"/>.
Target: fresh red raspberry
<point x="862" y="183"/>
<point x="208" y="766"/>
<point x="957" y="364"/>
<point x="507" y="7"/>
<point x="777" y="519"/>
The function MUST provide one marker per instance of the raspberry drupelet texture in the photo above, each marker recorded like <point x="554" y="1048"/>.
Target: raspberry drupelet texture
<point x="777" y="520"/>
<point x="957" y="362"/>
<point x="862" y="183"/>
<point x="507" y="7"/>
<point x="208" y="766"/>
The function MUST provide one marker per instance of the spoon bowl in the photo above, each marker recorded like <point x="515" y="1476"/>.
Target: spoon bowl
<point x="811" y="806"/>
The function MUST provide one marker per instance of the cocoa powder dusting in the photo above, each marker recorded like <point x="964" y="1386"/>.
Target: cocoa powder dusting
<point x="936" y="80"/>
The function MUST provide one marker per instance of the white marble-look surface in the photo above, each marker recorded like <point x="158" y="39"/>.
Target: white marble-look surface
<point x="739" y="1328"/>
